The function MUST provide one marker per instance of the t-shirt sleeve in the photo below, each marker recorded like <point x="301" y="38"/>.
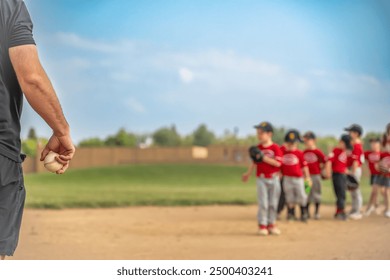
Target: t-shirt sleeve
<point x="278" y="154"/>
<point x="302" y="160"/>
<point x="321" y="156"/>
<point x="330" y="157"/>
<point x="366" y="153"/>
<point x="357" y="153"/>
<point x="21" y="27"/>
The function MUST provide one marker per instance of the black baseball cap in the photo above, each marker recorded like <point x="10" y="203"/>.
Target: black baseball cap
<point x="375" y="139"/>
<point x="347" y="141"/>
<point x="356" y="128"/>
<point x="293" y="136"/>
<point x="309" y="135"/>
<point x="265" y="126"/>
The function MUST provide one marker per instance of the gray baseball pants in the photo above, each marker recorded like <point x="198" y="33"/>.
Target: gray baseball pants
<point x="268" y="193"/>
<point x="356" y="195"/>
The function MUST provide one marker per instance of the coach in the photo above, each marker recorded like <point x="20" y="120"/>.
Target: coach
<point x="21" y="72"/>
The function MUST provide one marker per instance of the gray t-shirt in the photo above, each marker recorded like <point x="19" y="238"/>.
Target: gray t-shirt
<point x="15" y="30"/>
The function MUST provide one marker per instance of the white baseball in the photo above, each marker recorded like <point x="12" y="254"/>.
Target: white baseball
<point x="51" y="163"/>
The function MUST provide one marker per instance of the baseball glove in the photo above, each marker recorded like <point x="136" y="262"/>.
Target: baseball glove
<point x="307" y="186"/>
<point x="352" y="182"/>
<point x="256" y="154"/>
<point x="383" y="168"/>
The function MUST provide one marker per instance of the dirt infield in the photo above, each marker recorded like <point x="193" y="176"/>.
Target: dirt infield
<point x="210" y="232"/>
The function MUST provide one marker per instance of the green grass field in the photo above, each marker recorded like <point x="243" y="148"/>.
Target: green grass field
<point x="163" y="184"/>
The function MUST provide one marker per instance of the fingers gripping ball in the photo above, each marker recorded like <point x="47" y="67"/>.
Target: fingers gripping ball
<point x="256" y="154"/>
<point x="50" y="162"/>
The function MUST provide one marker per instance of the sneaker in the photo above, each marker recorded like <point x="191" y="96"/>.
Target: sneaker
<point x="263" y="231"/>
<point x="387" y="214"/>
<point x="355" y="216"/>
<point x="273" y="230"/>
<point x="369" y="210"/>
<point x="291" y="217"/>
<point x="317" y="216"/>
<point x="341" y="216"/>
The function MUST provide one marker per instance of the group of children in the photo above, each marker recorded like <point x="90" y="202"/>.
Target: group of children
<point x="291" y="177"/>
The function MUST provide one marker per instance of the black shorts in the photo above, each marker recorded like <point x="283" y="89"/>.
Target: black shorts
<point x="12" y="197"/>
<point x="374" y="179"/>
<point x="383" y="181"/>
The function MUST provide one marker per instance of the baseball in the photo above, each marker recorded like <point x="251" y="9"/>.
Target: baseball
<point x="50" y="162"/>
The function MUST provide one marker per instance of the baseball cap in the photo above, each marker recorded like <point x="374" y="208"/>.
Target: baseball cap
<point x="375" y="139"/>
<point x="347" y="141"/>
<point x="265" y="126"/>
<point x="355" y="127"/>
<point x="309" y="135"/>
<point x="293" y="136"/>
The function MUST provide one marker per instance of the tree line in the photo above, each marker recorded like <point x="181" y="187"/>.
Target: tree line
<point x="168" y="136"/>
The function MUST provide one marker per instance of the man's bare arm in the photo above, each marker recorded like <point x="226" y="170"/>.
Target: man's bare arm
<point x="41" y="95"/>
<point x="37" y="87"/>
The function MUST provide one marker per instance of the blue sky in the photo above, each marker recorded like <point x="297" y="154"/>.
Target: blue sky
<point x="317" y="65"/>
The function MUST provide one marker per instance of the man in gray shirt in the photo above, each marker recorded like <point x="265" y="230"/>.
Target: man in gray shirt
<point x="21" y="72"/>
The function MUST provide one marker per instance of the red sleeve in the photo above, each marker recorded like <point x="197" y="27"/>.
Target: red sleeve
<point x="302" y="160"/>
<point x="357" y="153"/>
<point x="366" y="153"/>
<point x="278" y="153"/>
<point x="331" y="156"/>
<point x="321" y="156"/>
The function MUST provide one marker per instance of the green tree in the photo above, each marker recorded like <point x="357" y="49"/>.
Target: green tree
<point x="228" y="138"/>
<point x="203" y="137"/>
<point x="166" y="137"/>
<point x="29" y="146"/>
<point x="327" y="143"/>
<point x="122" y="138"/>
<point x="91" y="142"/>
<point x="32" y="134"/>
<point x="278" y="135"/>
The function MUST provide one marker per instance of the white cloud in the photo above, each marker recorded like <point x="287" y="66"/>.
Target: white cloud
<point x="135" y="105"/>
<point x="79" y="42"/>
<point x="186" y="75"/>
<point x="230" y="88"/>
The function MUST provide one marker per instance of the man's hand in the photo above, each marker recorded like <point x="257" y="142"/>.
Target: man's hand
<point x="64" y="147"/>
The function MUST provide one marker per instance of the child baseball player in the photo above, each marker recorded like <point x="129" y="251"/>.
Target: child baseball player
<point x="336" y="166"/>
<point x="293" y="182"/>
<point x="384" y="168"/>
<point x="268" y="184"/>
<point x="354" y="162"/>
<point x="373" y="157"/>
<point x="315" y="159"/>
<point x="282" y="198"/>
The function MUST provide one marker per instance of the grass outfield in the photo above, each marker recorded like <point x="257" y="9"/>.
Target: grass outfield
<point x="154" y="184"/>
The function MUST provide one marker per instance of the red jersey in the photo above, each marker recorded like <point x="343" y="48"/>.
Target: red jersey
<point x="314" y="158"/>
<point x="283" y="148"/>
<point x="265" y="169"/>
<point x="357" y="154"/>
<point x="372" y="158"/>
<point x="338" y="158"/>
<point x="385" y="158"/>
<point x="292" y="163"/>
